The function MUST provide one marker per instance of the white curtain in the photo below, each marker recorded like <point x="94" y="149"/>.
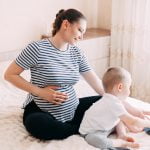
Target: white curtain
<point x="130" y="43"/>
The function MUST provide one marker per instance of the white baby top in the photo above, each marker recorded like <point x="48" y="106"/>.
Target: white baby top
<point x="102" y="115"/>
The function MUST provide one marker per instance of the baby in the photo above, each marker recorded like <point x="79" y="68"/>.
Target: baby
<point x="110" y="113"/>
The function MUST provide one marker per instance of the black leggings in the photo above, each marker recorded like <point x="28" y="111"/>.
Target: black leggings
<point x="44" y="126"/>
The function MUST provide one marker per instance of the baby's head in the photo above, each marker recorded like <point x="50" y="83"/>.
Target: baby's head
<point x="117" y="81"/>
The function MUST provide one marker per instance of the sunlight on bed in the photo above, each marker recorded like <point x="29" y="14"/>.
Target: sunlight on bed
<point x="13" y="135"/>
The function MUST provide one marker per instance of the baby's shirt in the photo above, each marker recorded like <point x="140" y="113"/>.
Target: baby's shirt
<point x="102" y="115"/>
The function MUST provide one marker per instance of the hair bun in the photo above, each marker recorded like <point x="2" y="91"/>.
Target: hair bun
<point x="60" y="12"/>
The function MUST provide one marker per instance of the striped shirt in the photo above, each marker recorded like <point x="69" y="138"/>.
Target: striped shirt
<point x="51" y="66"/>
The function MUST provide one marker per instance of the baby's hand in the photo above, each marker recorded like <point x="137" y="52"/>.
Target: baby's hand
<point x="144" y="115"/>
<point x="147" y="117"/>
<point x="135" y="129"/>
<point x="141" y="115"/>
<point x="147" y="114"/>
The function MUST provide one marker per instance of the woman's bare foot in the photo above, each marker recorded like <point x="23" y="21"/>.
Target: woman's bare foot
<point x="123" y="143"/>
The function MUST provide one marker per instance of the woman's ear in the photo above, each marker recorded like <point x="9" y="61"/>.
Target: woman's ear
<point x="65" y="24"/>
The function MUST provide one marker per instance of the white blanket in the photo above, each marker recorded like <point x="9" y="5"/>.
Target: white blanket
<point x="13" y="135"/>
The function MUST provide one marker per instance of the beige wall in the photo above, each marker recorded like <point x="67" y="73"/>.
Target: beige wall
<point x="22" y="21"/>
<point x="104" y="13"/>
<point x="25" y="20"/>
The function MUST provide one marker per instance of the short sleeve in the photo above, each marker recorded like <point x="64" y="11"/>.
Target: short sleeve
<point x="118" y="109"/>
<point x="81" y="59"/>
<point x="29" y="56"/>
<point x="84" y="65"/>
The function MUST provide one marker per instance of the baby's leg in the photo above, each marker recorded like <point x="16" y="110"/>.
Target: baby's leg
<point x="121" y="131"/>
<point x="99" y="139"/>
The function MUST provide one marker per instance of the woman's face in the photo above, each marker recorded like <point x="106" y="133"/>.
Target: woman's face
<point x="74" y="31"/>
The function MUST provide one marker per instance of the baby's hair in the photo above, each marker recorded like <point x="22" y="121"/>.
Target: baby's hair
<point x="114" y="76"/>
<point x="72" y="15"/>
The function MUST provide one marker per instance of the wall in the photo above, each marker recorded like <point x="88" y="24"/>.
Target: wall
<point x="97" y="52"/>
<point x="104" y="14"/>
<point x="23" y="21"/>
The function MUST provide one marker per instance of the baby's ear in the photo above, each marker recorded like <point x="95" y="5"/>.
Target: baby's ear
<point x="120" y="87"/>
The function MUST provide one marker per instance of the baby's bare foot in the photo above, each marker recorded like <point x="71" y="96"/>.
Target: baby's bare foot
<point x="123" y="143"/>
<point x="127" y="138"/>
<point x="131" y="144"/>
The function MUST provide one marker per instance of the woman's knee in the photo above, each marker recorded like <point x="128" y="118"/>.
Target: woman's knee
<point x="45" y="127"/>
<point x="40" y="125"/>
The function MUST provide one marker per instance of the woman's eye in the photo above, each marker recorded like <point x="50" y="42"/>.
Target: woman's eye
<point x="80" y="30"/>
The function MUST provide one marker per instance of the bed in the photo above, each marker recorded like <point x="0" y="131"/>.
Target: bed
<point x="13" y="135"/>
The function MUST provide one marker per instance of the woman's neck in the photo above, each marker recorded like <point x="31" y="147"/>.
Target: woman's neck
<point x="59" y="42"/>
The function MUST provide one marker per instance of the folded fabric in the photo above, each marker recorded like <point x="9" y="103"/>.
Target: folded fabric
<point x="118" y="148"/>
<point x="147" y="130"/>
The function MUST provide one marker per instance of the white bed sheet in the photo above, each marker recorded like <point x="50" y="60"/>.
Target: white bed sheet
<point x="13" y="135"/>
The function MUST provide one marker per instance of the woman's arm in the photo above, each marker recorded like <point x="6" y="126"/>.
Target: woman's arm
<point x="12" y="75"/>
<point x="94" y="81"/>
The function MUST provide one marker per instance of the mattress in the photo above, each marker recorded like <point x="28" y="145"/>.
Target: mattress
<point x="13" y="135"/>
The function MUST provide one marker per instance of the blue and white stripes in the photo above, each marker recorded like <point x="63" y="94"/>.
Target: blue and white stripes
<point x="50" y="66"/>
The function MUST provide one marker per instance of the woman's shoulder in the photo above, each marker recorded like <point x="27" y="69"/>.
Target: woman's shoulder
<point x="37" y="45"/>
<point x="34" y="47"/>
<point x="40" y="42"/>
<point x="76" y="49"/>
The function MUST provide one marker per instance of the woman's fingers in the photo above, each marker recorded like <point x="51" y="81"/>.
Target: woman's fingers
<point x="53" y="87"/>
<point x="61" y="95"/>
<point x="54" y="96"/>
<point x="58" y="101"/>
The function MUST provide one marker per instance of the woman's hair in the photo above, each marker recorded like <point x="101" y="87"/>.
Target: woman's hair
<point x="114" y="76"/>
<point x="72" y="15"/>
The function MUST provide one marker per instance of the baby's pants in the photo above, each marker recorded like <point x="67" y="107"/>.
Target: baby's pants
<point x="99" y="139"/>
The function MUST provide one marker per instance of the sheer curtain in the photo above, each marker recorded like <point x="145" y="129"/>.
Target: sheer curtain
<point x="130" y="42"/>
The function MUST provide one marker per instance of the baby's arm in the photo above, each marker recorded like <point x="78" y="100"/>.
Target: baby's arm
<point x="134" y="110"/>
<point x="131" y="120"/>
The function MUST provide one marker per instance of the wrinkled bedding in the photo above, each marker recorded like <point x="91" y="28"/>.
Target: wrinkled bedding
<point x="13" y="135"/>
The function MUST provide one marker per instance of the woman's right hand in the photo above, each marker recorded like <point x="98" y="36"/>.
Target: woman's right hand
<point x="50" y="94"/>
